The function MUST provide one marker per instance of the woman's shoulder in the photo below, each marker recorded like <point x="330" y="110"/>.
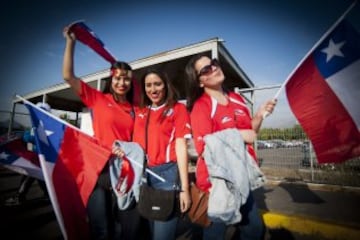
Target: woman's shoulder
<point x="236" y="96"/>
<point x="180" y="105"/>
<point x="139" y="109"/>
<point x="204" y="101"/>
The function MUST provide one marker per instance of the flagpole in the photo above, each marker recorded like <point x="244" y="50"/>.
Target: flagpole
<point x="147" y="170"/>
<point x="315" y="46"/>
<point x="311" y="50"/>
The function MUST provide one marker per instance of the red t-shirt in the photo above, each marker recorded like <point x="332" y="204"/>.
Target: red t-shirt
<point x="111" y="120"/>
<point x="165" y="125"/>
<point x="207" y="116"/>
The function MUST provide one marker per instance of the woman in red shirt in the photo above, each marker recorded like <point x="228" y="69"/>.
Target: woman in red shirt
<point x="113" y="119"/>
<point x="162" y="126"/>
<point x="214" y="109"/>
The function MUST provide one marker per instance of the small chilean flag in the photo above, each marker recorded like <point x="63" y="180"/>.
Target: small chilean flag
<point x="88" y="37"/>
<point x="323" y="93"/>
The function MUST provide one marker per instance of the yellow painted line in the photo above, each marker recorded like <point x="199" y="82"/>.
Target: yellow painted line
<point x="310" y="227"/>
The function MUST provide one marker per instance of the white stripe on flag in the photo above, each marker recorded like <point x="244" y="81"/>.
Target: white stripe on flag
<point x="346" y="85"/>
<point x="48" y="168"/>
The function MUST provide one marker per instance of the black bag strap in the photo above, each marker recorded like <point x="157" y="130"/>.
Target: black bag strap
<point x="146" y="140"/>
<point x="146" y="146"/>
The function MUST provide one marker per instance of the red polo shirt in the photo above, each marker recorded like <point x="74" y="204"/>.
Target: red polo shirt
<point x="111" y="120"/>
<point x="165" y="125"/>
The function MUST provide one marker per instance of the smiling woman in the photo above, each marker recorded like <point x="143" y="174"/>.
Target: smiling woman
<point x="155" y="89"/>
<point x="167" y="121"/>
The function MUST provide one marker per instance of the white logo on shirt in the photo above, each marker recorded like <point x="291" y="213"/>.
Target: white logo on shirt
<point x="169" y="112"/>
<point x="226" y="119"/>
<point x="239" y="112"/>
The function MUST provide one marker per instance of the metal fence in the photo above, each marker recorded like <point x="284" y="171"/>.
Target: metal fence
<point x="298" y="163"/>
<point x="285" y="153"/>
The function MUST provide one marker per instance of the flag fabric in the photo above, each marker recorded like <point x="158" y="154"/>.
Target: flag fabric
<point x="323" y="93"/>
<point x="71" y="162"/>
<point x="88" y="37"/>
<point x="15" y="156"/>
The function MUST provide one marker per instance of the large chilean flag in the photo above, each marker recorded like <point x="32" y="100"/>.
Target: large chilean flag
<point x="71" y="162"/>
<point x="324" y="95"/>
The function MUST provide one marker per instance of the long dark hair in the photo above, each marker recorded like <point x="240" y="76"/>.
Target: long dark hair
<point x="193" y="89"/>
<point x="171" y="95"/>
<point x="123" y="66"/>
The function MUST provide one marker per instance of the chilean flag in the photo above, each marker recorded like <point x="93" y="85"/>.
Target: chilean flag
<point x="15" y="156"/>
<point x="71" y="162"/>
<point x="323" y="93"/>
<point x="88" y="37"/>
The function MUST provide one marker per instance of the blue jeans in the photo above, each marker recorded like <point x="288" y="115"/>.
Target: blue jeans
<point x="164" y="230"/>
<point x="251" y="226"/>
<point x="100" y="212"/>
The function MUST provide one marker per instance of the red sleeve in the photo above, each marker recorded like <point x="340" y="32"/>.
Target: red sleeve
<point x="88" y="94"/>
<point x="201" y="122"/>
<point x="182" y="121"/>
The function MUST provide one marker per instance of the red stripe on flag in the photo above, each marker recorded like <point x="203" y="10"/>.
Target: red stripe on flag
<point x="75" y="173"/>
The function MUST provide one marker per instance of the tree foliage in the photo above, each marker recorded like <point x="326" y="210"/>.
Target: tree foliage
<point x="294" y="133"/>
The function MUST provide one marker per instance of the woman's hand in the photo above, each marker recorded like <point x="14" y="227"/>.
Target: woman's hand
<point x="117" y="151"/>
<point x="267" y="108"/>
<point x="68" y="35"/>
<point x="185" y="201"/>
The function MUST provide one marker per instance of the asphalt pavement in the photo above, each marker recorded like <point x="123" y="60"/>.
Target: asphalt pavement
<point x="291" y="211"/>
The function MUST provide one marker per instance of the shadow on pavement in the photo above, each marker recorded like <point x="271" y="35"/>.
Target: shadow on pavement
<point x="301" y="193"/>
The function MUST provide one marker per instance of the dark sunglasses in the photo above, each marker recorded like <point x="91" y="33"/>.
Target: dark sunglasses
<point x="208" y="69"/>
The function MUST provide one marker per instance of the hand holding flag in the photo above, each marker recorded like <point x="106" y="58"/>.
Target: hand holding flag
<point x="88" y="37"/>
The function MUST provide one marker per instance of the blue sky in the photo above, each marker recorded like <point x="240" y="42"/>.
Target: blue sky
<point x="266" y="38"/>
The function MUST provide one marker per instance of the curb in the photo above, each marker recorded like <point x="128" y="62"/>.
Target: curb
<point x="307" y="226"/>
<point x="316" y="186"/>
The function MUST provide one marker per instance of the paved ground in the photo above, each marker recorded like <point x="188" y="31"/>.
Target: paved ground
<point x="291" y="211"/>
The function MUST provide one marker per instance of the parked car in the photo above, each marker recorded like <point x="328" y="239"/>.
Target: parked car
<point x="279" y="143"/>
<point x="261" y="144"/>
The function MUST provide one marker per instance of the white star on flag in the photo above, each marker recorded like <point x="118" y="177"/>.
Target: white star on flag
<point x="41" y="130"/>
<point x="333" y="49"/>
<point x="3" y="155"/>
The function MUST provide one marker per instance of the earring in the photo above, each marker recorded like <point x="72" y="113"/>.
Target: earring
<point x="201" y="85"/>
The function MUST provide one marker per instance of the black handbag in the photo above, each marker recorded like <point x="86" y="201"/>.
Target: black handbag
<point x="155" y="204"/>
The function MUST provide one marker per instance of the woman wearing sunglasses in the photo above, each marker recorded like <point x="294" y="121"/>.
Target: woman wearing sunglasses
<point x="213" y="109"/>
